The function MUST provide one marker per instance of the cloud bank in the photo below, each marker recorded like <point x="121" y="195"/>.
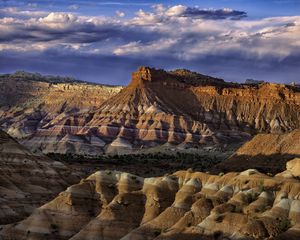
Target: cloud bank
<point x="222" y="42"/>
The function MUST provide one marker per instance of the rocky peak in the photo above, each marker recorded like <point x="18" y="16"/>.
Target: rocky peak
<point x="148" y="74"/>
<point x="179" y="75"/>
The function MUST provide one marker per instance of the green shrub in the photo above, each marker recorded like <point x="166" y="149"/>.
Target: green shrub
<point x="284" y="224"/>
<point x="157" y="233"/>
<point x="133" y="177"/>
<point x="261" y="186"/>
<point x="53" y="226"/>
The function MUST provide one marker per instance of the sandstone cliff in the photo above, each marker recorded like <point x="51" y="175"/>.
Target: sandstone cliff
<point x="180" y="108"/>
<point x="185" y="205"/>
<point x="27" y="105"/>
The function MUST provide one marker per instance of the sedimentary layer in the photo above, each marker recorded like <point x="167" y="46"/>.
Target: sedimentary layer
<point x="180" y="108"/>
<point x="27" y="180"/>
<point x="184" y="205"/>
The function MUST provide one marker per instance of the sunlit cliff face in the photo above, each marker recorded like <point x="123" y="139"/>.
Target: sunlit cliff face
<point x="180" y="107"/>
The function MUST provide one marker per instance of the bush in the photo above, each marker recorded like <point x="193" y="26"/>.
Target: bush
<point x="261" y="186"/>
<point x="157" y="233"/>
<point x="53" y="226"/>
<point x="133" y="177"/>
<point x="284" y="224"/>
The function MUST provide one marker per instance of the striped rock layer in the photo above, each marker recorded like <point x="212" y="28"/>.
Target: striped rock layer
<point x="110" y="205"/>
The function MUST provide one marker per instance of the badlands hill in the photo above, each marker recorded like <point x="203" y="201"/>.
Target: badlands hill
<point x="111" y="205"/>
<point x="29" y="102"/>
<point x="266" y="152"/>
<point x="26" y="180"/>
<point x="158" y="108"/>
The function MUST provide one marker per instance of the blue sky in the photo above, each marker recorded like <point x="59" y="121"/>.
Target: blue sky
<point x="255" y="8"/>
<point x="104" y="41"/>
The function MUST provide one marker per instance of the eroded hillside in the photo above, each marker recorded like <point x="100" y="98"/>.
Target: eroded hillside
<point x="184" y="205"/>
<point x="266" y="152"/>
<point x="179" y="108"/>
<point x="158" y="108"/>
<point x="30" y="102"/>
<point x="27" y="181"/>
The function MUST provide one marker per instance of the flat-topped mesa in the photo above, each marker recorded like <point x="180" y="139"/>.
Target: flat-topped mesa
<point x="194" y="78"/>
<point x="179" y="75"/>
<point x="148" y="74"/>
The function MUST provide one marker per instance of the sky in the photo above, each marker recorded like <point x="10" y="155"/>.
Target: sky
<point x="104" y="41"/>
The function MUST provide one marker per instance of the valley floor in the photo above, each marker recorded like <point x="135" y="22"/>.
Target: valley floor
<point x="145" y="165"/>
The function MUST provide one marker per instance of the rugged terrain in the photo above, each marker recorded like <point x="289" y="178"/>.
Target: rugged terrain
<point x="158" y="117"/>
<point x="30" y="103"/>
<point x="184" y="205"/>
<point x="26" y="180"/>
<point x="158" y="108"/>
<point x="266" y="152"/>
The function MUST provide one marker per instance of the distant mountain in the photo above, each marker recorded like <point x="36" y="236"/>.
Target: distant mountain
<point x="180" y="108"/>
<point x="37" y="77"/>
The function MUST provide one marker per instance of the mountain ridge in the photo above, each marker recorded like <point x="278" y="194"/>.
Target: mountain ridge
<point x="29" y="76"/>
<point x="160" y="107"/>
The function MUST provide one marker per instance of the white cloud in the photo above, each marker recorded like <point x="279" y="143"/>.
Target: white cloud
<point x="55" y="17"/>
<point x="176" y="10"/>
<point x="161" y="32"/>
<point x="18" y="13"/>
<point x="132" y="48"/>
<point x="120" y="14"/>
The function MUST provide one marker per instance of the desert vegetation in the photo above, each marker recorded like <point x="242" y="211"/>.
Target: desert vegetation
<point x="150" y="164"/>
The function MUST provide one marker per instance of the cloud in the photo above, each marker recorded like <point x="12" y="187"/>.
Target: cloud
<point x="196" y="12"/>
<point x="32" y="5"/>
<point x="74" y="7"/>
<point x="176" y="34"/>
<point x="20" y="14"/>
<point x="178" y="10"/>
<point x="215" y="14"/>
<point x="120" y="14"/>
<point x="63" y="18"/>
<point x="135" y="48"/>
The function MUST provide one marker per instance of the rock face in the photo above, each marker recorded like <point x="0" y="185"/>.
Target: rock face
<point x="185" y="205"/>
<point x="26" y="180"/>
<point x="31" y="103"/>
<point x="266" y="152"/>
<point x="158" y="107"/>
<point x="293" y="167"/>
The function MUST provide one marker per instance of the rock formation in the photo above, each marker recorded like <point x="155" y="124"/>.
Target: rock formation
<point x="26" y="180"/>
<point x="184" y="205"/>
<point x="29" y="104"/>
<point x="179" y="107"/>
<point x="266" y="152"/>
